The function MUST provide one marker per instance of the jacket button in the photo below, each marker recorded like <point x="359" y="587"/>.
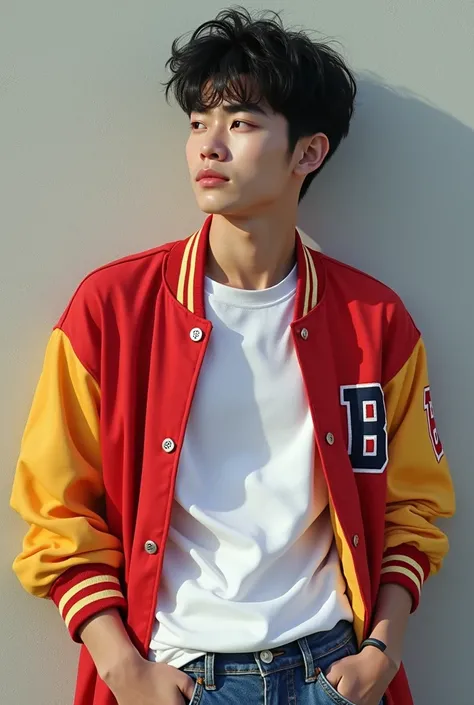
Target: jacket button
<point x="168" y="445"/>
<point x="304" y="333"/>
<point x="330" y="439"/>
<point x="151" y="547"/>
<point x="196" y="335"/>
<point x="355" y="540"/>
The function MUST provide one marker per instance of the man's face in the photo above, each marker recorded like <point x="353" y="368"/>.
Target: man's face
<point x="249" y="146"/>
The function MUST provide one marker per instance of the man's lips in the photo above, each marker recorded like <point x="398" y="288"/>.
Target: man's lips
<point x="210" y="174"/>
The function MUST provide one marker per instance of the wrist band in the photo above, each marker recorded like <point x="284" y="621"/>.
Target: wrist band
<point x="373" y="642"/>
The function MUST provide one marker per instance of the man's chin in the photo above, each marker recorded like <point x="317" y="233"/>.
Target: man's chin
<point x="218" y="208"/>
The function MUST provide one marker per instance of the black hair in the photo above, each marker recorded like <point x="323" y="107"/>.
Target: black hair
<point x="306" y="81"/>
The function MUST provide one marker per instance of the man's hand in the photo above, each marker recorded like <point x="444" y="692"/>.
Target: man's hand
<point x="364" y="677"/>
<point x="131" y="678"/>
<point x="141" y="682"/>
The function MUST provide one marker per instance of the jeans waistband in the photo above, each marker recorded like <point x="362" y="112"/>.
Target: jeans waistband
<point x="302" y="652"/>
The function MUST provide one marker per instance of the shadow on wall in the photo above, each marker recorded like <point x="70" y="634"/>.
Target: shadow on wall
<point x="397" y="201"/>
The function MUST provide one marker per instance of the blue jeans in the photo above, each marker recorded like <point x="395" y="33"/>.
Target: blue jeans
<point x="285" y="675"/>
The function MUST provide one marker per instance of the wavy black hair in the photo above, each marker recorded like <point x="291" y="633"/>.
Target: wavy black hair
<point x="304" y="80"/>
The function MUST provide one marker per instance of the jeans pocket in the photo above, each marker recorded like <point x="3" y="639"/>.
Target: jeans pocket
<point x="197" y="692"/>
<point x="330" y="692"/>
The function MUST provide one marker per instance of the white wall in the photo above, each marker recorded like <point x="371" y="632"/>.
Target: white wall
<point x="92" y="167"/>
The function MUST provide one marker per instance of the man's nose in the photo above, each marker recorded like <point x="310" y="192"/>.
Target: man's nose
<point x="213" y="149"/>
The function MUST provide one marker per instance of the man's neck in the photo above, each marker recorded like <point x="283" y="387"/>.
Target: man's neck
<point x="250" y="253"/>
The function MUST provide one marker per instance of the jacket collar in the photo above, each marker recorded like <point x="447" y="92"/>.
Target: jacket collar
<point x="186" y="265"/>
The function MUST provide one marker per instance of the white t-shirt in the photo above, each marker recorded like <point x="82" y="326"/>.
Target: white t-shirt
<point x="250" y="562"/>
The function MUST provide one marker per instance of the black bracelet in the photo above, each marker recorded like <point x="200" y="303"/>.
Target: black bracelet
<point x="374" y="642"/>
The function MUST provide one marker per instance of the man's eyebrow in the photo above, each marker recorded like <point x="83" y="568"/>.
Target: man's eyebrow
<point x="244" y="108"/>
<point x="247" y="107"/>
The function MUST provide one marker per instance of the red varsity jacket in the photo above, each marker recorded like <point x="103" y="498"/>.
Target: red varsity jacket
<point x="100" y="451"/>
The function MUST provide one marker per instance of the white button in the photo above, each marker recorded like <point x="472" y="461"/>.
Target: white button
<point x="304" y="333"/>
<point x="266" y="656"/>
<point x="196" y="335"/>
<point x="330" y="439"/>
<point x="151" y="547"/>
<point x="355" y="540"/>
<point x="168" y="445"/>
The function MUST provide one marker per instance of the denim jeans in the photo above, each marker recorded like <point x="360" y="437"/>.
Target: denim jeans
<point x="291" y="674"/>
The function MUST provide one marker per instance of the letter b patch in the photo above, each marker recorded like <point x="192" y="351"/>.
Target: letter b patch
<point x="367" y="427"/>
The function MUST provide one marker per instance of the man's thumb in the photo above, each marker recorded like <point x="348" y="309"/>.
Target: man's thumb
<point x="333" y="676"/>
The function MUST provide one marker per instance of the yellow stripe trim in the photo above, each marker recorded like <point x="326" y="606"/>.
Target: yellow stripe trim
<point x="403" y="571"/>
<point x="83" y="585"/>
<point x="308" y="284"/>
<point x="192" y="270"/>
<point x="410" y="561"/>
<point x="184" y="267"/>
<point x="314" y="299"/>
<point x="103" y="595"/>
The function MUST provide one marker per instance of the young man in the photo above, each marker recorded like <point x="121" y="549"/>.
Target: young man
<point x="231" y="469"/>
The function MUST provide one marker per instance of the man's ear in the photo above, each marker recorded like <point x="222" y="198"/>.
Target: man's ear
<point x="313" y="151"/>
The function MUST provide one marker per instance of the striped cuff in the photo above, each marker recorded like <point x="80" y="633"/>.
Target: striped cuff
<point x="407" y="566"/>
<point x="82" y="591"/>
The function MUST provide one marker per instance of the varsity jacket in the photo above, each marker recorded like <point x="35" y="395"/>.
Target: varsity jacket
<point x="99" y="455"/>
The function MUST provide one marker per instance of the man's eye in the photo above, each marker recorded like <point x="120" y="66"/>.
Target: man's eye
<point x="240" y="123"/>
<point x="196" y="125"/>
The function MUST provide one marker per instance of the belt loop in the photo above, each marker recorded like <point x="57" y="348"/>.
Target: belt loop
<point x="309" y="670"/>
<point x="209" y="683"/>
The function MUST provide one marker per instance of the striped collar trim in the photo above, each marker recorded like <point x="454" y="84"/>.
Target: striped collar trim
<point x="187" y="273"/>
<point x="311" y="280"/>
<point x="187" y="265"/>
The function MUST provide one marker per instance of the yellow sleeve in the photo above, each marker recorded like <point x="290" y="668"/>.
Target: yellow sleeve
<point x="419" y="485"/>
<point x="68" y="553"/>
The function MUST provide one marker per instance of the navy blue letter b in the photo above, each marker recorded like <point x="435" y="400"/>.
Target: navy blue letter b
<point x="367" y="427"/>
